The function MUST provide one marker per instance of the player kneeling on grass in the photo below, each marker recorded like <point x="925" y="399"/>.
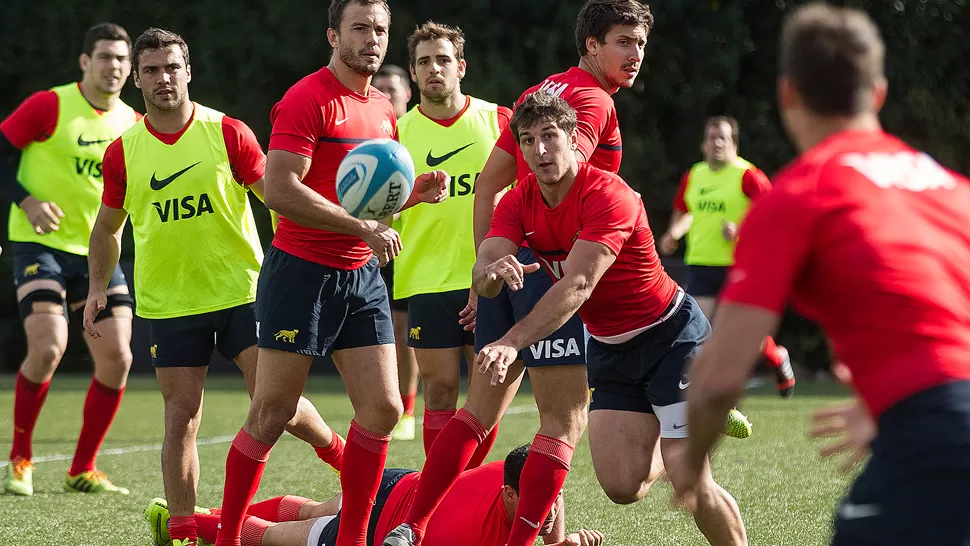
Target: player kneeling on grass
<point x="476" y="512"/>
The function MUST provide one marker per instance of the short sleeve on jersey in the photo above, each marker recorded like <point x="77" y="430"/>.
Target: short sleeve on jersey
<point x="297" y="122"/>
<point x="592" y="117"/>
<point x="114" y="176"/>
<point x="755" y="183"/>
<point x="33" y="121"/>
<point x="507" y="219"/>
<point x="680" y="205"/>
<point x="610" y="215"/>
<point x="245" y="154"/>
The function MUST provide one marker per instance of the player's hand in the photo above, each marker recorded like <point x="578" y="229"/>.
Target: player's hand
<point x="45" y="216"/>
<point x="509" y="270"/>
<point x="729" y="230"/>
<point x="384" y="241"/>
<point x="851" y="427"/>
<point x="432" y="187"/>
<point x="668" y="245"/>
<point x="97" y="302"/>
<point x="496" y="357"/>
<point x="469" y="315"/>
<point x="584" y="538"/>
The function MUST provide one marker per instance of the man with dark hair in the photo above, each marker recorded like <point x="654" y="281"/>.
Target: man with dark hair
<point x="869" y="238"/>
<point x="477" y="512"/>
<point x="713" y="197"/>
<point x="456" y="132"/>
<point x="393" y="81"/>
<point x="611" y="36"/>
<point x="191" y="169"/>
<point x="58" y="137"/>
<point x="320" y="292"/>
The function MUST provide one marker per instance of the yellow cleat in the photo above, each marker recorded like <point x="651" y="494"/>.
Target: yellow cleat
<point x="404" y="430"/>
<point x="157" y="516"/>
<point x="92" y="481"/>
<point x="20" y="478"/>
<point x="737" y="425"/>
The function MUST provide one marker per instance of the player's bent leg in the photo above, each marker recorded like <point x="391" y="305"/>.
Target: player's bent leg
<point x="43" y="307"/>
<point x="407" y="373"/>
<point x="625" y="449"/>
<point x="182" y="393"/>
<point x="280" y="378"/>
<point x="290" y="533"/>
<point x="441" y="372"/>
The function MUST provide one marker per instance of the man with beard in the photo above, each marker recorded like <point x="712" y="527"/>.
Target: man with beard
<point x="197" y="254"/>
<point x="456" y="132"/>
<point x="320" y="291"/>
<point x="59" y="137"/>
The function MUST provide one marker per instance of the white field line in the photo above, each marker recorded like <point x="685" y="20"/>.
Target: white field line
<point x="513" y="410"/>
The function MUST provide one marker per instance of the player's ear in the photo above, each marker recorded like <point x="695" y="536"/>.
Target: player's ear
<point x="188" y="73"/>
<point x="879" y="90"/>
<point x="83" y="61"/>
<point x="332" y="38"/>
<point x="787" y="93"/>
<point x="461" y="68"/>
<point x="414" y="75"/>
<point x="592" y="45"/>
<point x="574" y="138"/>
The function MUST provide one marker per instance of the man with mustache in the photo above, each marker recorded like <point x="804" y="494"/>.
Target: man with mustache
<point x="456" y="132"/>
<point x="320" y="292"/>
<point x="183" y="174"/>
<point x="59" y="138"/>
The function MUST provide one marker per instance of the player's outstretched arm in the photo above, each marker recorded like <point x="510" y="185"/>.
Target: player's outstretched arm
<point x="103" y="256"/>
<point x="497" y="174"/>
<point x="430" y="187"/>
<point x="496" y="266"/>
<point x="679" y="226"/>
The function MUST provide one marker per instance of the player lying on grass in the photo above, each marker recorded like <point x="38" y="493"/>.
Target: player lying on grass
<point x="476" y="512"/>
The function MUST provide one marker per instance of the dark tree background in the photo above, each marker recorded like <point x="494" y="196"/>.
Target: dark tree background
<point x="704" y="57"/>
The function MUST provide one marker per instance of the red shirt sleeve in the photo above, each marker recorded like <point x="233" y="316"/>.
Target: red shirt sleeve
<point x="114" y="176"/>
<point x="245" y="155"/>
<point x="773" y="246"/>
<point x="504" y="119"/>
<point x="507" y="219"/>
<point x="592" y="118"/>
<point x="33" y="121"/>
<point x="609" y="215"/>
<point x="680" y="205"/>
<point x="755" y="183"/>
<point x="506" y="140"/>
<point x="297" y="123"/>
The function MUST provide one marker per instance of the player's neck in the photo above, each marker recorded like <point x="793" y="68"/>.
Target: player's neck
<point x="817" y="129"/>
<point x="555" y="194"/>
<point x="446" y="109"/>
<point x="718" y="165"/>
<point x="348" y="77"/>
<point x="98" y="99"/>
<point x="589" y="65"/>
<point x="170" y="121"/>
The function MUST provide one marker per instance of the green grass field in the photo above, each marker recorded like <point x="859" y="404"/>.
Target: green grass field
<point x="787" y="495"/>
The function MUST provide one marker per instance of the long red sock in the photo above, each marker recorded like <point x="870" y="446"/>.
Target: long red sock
<point x="252" y="531"/>
<point x="244" y="468"/>
<point x="183" y="528"/>
<point x="482" y="452"/>
<point x="408" y="400"/>
<point x="100" y="407"/>
<point x="278" y="509"/>
<point x="333" y="454"/>
<point x="771" y="353"/>
<point x="27" y="400"/>
<point x="434" y="422"/>
<point x="540" y="483"/>
<point x="207" y="526"/>
<point x="448" y="458"/>
<point x="360" y="479"/>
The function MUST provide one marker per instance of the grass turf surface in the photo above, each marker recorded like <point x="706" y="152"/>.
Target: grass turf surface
<point x="786" y="494"/>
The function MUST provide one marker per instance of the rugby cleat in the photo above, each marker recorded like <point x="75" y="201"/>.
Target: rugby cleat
<point x="20" y="478"/>
<point x="737" y="425"/>
<point x="784" y="375"/>
<point x="92" y="481"/>
<point x="157" y="516"/>
<point x="402" y="535"/>
<point x="404" y="430"/>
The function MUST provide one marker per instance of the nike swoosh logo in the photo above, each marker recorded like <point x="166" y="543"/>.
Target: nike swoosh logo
<point x="706" y="190"/>
<point x="529" y="523"/>
<point x="82" y="142"/>
<point x="859" y="511"/>
<point x="683" y="385"/>
<point x="159" y="184"/>
<point x="341" y="121"/>
<point x="678" y="427"/>
<point x="435" y="161"/>
<point x="529" y="233"/>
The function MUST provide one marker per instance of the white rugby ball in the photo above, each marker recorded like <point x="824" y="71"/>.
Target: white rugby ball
<point x="375" y="179"/>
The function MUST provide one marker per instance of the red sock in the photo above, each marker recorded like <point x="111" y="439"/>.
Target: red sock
<point x="278" y="509"/>
<point x="100" y="407"/>
<point x="446" y="461"/>
<point x="207" y="526"/>
<point x="770" y="351"/>
<point x="183" y="528"/>
<point x="434" y="422"/>
<point x="408" y="400"/>
<point x="360" y="479"/>
<point x="27" y="400"/>
<point x="333" y="454"/>
<point x="482" y="452"/>
<point x="252" y="531"/>
<point x="244" y="468"/>
<point x="540" y="483"/>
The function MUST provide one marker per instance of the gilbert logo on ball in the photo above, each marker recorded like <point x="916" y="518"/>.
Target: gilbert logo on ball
<point x="375" y="179"/>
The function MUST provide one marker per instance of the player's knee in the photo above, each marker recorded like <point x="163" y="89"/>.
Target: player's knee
<point x="270" y="419"/>
<point x="440" y="394"/>
<point x="380" y="416"/>
<point x="625" y="492"/>
<point x="46" y="354"/>
<point x="183" y="415"/>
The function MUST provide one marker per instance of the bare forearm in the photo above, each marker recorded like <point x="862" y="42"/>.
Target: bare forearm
<point x="103" y="255"/>
<point x="305" y="207"/>
<point x="480" y="282"/>
<point x="485" y="203"/>
<point x="679" y="224"/>
<point x="552" y="311"/>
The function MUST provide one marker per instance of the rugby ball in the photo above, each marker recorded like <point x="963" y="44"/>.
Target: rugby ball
<point x="375" y="179"/>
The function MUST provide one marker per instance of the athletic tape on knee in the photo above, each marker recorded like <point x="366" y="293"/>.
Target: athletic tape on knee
<point x="115" y="300"/>
<point x="26" y="305"/>
<point x="673" y="420"/>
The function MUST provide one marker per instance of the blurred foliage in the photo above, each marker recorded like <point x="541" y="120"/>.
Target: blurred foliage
<point x="704" y="57"/>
